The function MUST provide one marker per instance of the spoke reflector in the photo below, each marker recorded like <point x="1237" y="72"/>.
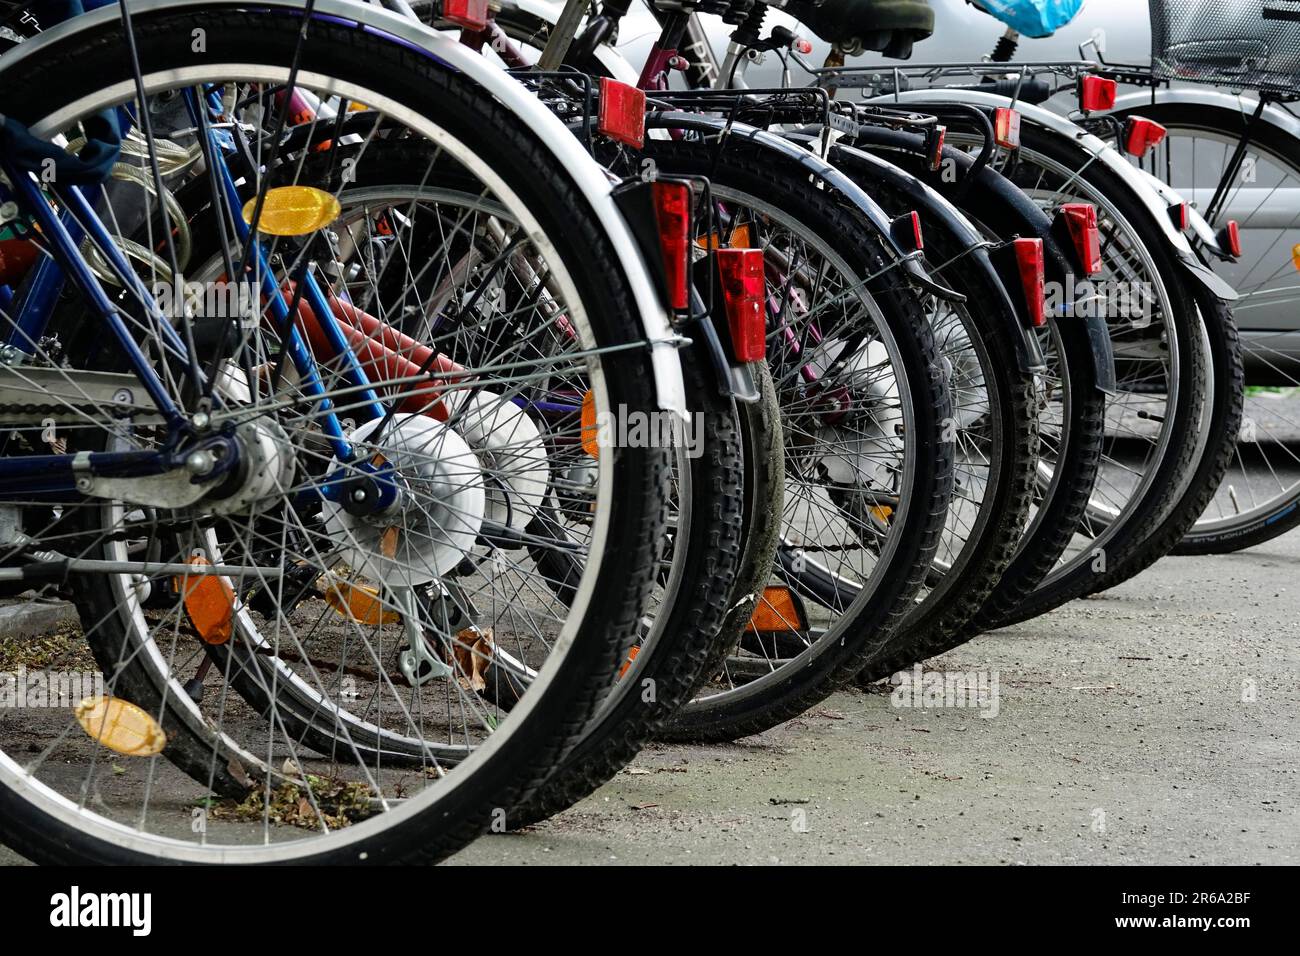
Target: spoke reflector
<point x="120" y="726"/>
<point x="210" y="603"/>
<point x="777" y="610"/>
<point x="360" y="603"/>
<point x="590" y="431"/>
<point x="631" y="656"/>
<point x="293" y="210"/>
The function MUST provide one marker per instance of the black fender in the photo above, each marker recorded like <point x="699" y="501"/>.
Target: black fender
<point x="818" y="168"/>
<point x="993" y="200"/>
<point x="938" y="212"/>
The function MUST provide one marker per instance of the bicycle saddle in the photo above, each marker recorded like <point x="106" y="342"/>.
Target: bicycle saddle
<point x="889" y="27"/>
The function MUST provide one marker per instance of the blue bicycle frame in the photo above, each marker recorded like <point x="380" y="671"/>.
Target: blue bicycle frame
<point x="26" y="476"/>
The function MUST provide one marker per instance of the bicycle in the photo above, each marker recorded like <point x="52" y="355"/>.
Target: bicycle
<point x="234" y="444"/>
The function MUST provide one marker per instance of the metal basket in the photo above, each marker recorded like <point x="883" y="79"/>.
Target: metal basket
<point x="1243" y="44"/>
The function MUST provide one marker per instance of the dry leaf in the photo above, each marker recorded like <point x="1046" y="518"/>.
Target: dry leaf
<point x="471" y="652"/>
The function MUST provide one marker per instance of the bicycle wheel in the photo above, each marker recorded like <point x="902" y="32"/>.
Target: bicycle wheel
<point x="477" y="460"/>
<point x="1070" y="407"/>
<point x="994" y="430"/>
<point x="1259" y="497"/>
<point x="1158" y="426"/>
<point x="868" y="474"/>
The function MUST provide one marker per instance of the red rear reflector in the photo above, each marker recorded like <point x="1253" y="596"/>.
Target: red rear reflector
<point x="1006" y="127"/>
<point x="1141" y="135"/>
<point x="1081" y="217"/>
<point x="803" y="46"/>
<point x="1230" y="239"/>
<point x="744" y="289"/>
<point x="469" y="14"/>
<point x="622" y="112"/>
<point x="934" y="146"/>
<point x="673" y="214"/>
<point x="1178" y="214"/>
<point x="906" y="232"/>
<point x="1029" y="260"/>
<point x="1096" y="93"/>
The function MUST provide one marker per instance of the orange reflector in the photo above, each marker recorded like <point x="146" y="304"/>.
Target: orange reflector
<point x="360" y="604"/>
<point x="1295" y="256"/>
<point x="293" y="210"/>
<point x="210" y="603"/>
<point x="777" y="611"/>
<point x="590" y="430"/>
<point x="120" y="726"/>
<point x="738" y="239"/>
<point x="882" y="513"/>
<point x="631" y="656"/>
<point x="356" y="107"/>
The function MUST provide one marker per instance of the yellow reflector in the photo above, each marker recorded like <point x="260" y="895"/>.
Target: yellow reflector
<point x="355" y="107"/>
<point x="777" y="611"/>
<point x="294" y="210"/>
<point x="120" y="726"/>
<point x="1295" y="256"/>
<point x="210" y="603"/>
<point x="882" y="513"/>
<point x="360" y="603"/>
<point x="590" y="432"/>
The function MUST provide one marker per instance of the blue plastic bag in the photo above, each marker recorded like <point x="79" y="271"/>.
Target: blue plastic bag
<point x="1033" y="18"/>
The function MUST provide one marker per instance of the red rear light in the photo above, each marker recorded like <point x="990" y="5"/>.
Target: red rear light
<point x="622" y="112"/>
<point x="1096" y="93"/>
<point x="906" y="232"/>
<point x="802" y="46"/>
<point x="1178" y="215"/>
<point x="1081" y="217"/>
<point x="1230" y="239"/>
<point x="1006" y="127"/>
<point x="469" y="14"/>
<point x="1141" y="135"/>
<point x="743" y="290"/>
<point x="1029" y="260"/>
<point x="673" y="214"/>
<point x="934" y="146"/>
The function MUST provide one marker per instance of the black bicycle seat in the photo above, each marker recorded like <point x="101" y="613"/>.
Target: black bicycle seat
<point x="886" y="26"/>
